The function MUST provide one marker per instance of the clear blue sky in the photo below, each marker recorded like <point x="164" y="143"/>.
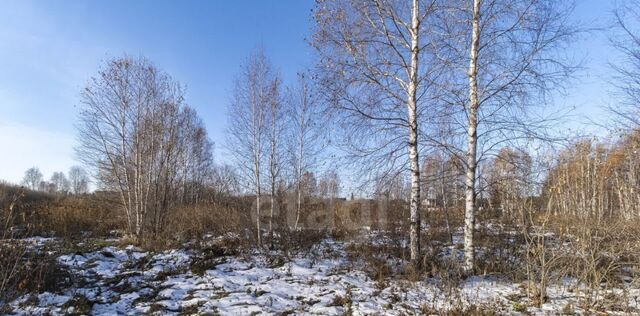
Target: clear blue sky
<point x="49" y="49"/>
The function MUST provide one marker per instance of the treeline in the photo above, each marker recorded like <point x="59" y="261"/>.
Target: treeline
<point x="77" y="181"/>
<point x="597" y="179"/>
<point x="586" y="178"/>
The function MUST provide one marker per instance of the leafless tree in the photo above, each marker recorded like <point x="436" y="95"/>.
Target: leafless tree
<point x="393" y="188"/>
<point x="307" y="137"/>
<point x="375" y="69"/>
<point x="78" y="180"/>
<point x="224" y="180"/>
<point x="194" y="153"/>
<point x="32" y="178"/>
<point x="247" y="115"/>
<point x="472" y="139"/>
<point x="441" y="174"/>
<point x="329" y="186"/>
<point x="60" y="182"/>
<point x="134" y="128"/>
<point x="509" y="178"/>
<point x="184" y="158"/>
<point x="275" y="129"/>
<point x="309" y="184"/>
<point x="627" y="69"/>
<point x="514" y="52"/>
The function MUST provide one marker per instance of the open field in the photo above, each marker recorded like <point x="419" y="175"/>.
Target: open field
<point x="329" y="276"/>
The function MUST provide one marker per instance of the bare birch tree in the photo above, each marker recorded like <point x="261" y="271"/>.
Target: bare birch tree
<point x="133" y="127"/>
<point x="60" y="182"/>
<point x="514" y="50"/>
<point x="509" y="178"/>
<point x="79" y="180"/>
<point x="275" y="129"/>
<point x="32" y="178"/>
<point x="472" y="142"/>
<point x="247" y="114"/>
<point x="373" y="63"/>
<point x="224" y="180"/>
<point x="329" y="185"/>
<point x="307" y="137"/>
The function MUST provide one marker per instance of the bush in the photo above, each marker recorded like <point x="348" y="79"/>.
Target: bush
<point x="217" y="218"/>
<point x="26" y="270"/>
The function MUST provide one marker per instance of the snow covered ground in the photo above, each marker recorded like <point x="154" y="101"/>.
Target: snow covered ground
<point x="323" y="281"/>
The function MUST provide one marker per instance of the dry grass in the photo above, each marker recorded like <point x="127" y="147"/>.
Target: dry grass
<point x="24" y="270"/>
<point x="65" y="216"/>
<point x="599" y="254"/>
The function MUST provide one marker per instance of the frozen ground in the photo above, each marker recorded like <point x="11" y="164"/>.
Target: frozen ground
<point x="114" y="281"/>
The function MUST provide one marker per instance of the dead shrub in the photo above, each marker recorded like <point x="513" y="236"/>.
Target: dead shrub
<point x="78" y="305"/>
<point x="375" y="262"/>
<point x="297" y="241"/>
<point x="501" y="247"/>
<point x="24" y="270"/>
<point x="215" y="218"/>
<point x="208" y="258"/>
<point x="458" y="308"/>
<point x="601" y="254"/>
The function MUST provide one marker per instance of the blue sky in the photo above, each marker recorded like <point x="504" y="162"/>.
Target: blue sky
<point x="49" y="49"/>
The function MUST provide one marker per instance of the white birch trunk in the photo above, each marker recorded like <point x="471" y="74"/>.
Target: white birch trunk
<point x="258" y="192"/>
<point x="298" y="204"/>
<point x="300" y="161"/>
<point x="414" y="206"/>
<point x="472" y="138"/>
<point x="273" y="176"/>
